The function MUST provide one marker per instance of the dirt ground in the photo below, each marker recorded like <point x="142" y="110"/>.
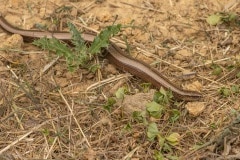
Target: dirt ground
<point x="58" y="114"/>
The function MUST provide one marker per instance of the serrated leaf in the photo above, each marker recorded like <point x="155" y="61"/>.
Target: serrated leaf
<point x="80" y="55"/>
<point x="152" y="131"/>
<point x="102" y="40"/>
<point x="52" y="44"/>
<point x="77" y="40"/>
<point x="214" y="19"/>
<point x="58" y="47"/>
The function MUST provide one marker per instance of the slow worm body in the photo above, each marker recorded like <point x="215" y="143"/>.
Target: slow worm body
<point x="116" y="56"/>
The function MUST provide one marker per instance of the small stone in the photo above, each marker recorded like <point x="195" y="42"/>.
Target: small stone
<point x="195" y="108"/>
<point x="195" y="86"/>
<point x="182" y="54"/>
<point x="14" y="41"/>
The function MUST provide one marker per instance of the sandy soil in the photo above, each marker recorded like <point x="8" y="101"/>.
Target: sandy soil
<point x="58" y="114"/>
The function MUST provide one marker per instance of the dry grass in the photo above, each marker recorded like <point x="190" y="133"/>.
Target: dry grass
<point x="54" y="114"/>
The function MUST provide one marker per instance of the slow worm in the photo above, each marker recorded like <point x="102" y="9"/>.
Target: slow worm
<point x="115" y="56"/>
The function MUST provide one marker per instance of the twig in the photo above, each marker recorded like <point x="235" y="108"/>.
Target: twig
<point x="130" y="154"/>
<point x="231" y="5"/>
<point x="216" y="61"/>
<point x="49" y="65"/>
<point x="76" y="121"/>
<point x="109" y="80"/>
<point x="175" y="66"/>
<point x="16" y="116"/>
<point x="25" y="135"/>
<point x="151" y="9"/>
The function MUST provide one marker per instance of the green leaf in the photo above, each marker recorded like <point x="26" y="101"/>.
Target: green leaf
<point x="228" y="17"/>
<point x="60" y="48"/>
<point x="214" y="19"/>
<point x="54" y="45"/>
<point x="158" y="155"/>
<point x="226" y="92"/>
<point x="173" y="139"/>
<point x="175" y="114"/>
<point x="152" y="131"/>
<point x="46" y="132"/>
<point x="128" y="127"/>
<point x="162" y="96"/>
<point x="145" y="86"/>
<point x="154" y="109"/>
<point x="120" y="93"/>
<point x="167" y="148"/>
<point x="232" y="17"/>
<point x="93" y="68"/>
<point x="235" y="88"/>
<point x="161" y="140"/>
<point x="238" y="75"/>
<point x="102" y="40"/>
<point x="80" y="55"/>
<point x="217" y="70"/>
<point x="110" y="102"/>
<point x="51" y="140"/>
<point x="139" y="116"/>
<point x="234" y="112"/>
<point x="213" y="126"/>
<point x="77" y="40"/>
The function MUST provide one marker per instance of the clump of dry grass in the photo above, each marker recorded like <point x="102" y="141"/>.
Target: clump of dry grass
<point x="48" y="114"/>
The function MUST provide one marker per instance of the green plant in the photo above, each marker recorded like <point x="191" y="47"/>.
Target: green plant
<point x="140" y="116"/>
<point x="217" y="70"/>
<point x="120" y="92"/>
<point x="163" y="96"/>
<point x="222" y="17"/>
<point x="109" y="104"/>
<point x="225" y="92"/>
<point x="155" y="110"/>
<point x="80" y="55"/>
<point x="228" y="91"/>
